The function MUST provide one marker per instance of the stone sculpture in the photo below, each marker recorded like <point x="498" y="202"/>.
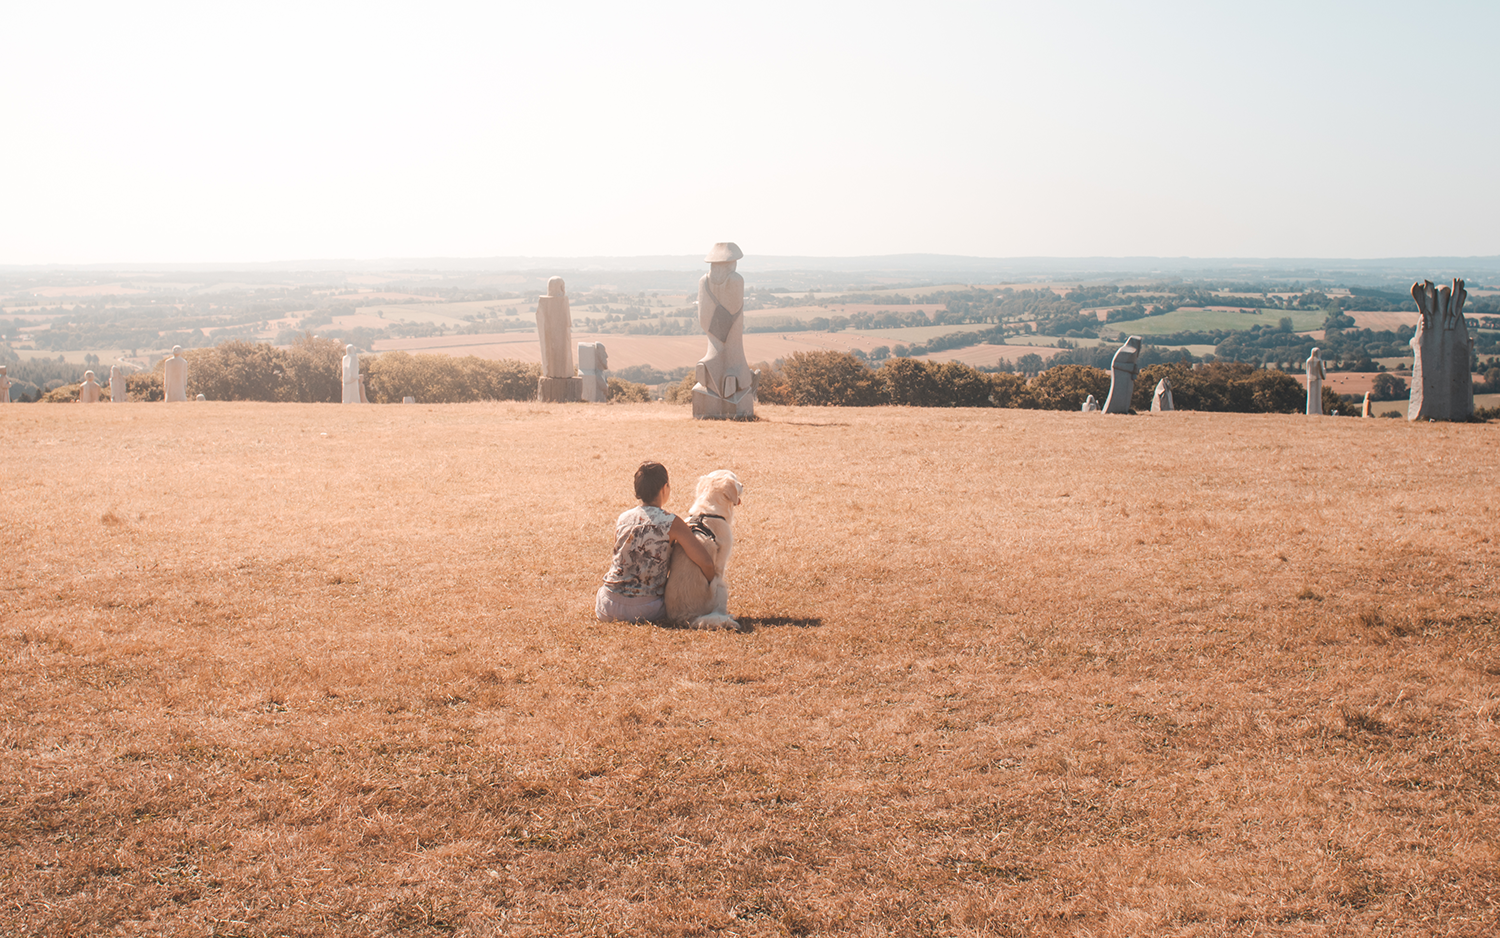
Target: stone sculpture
<point x="351" y="375"/>
<point x="117" y="391"/>
<point x="1161" y="399"/>
<point x="1122" y="371"/>
<point x="554" y="328"/>
<point x="1441" y="388"/>
<point x="4" y="386"/>
<point x="1316" y="373"/>
<point x="174" y="376"/>
<point x="363" y="398"/>
<point x="201" y="398"/>
<point x="593" y="361"/>
<point x="89" y="391"/>
<point x="1366" y="411"/>
<point x="725" y="385"/>
<point x="408" y="399"/>
<point x="1090" y="405"/>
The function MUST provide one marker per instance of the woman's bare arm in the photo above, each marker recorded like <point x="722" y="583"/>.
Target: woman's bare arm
<point x="683" y="536"/>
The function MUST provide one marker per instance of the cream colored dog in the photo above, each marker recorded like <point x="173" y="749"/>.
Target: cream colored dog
<point x="692" y="597"/>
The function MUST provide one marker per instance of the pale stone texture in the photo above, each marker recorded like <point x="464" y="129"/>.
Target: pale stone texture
<point x="4" y="386"/>
<point x="89" y="391"/>
<point x="351" y="375"/>
<point x="202" y="398"/>
<point x="408" y="399"/>
<point x="1122" y="372"/>
<point x="1161" y="398"/>
<point x="1441" y="387"/>
<point x="593" y="361"/>
<point x="1365" y="412"/>
<point x="1090" y="405"/>
<point x="1316" y="374"/>
<point x="725" y="385"/>
<point x="174" y="376"/>
<point x="363" y="398"/>
<point x="554" y="328"/>
<point x="117" y="392"/>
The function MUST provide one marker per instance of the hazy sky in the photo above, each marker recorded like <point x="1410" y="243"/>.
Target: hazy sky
<point x="157" y="132"/>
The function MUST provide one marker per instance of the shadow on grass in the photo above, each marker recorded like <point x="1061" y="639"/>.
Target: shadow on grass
<point x="751" y="623"/>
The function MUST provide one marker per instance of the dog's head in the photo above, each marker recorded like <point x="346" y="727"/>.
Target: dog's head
<point x="720" y="486"/>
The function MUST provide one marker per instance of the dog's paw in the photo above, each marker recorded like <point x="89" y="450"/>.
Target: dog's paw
<point x="715" y="622"/>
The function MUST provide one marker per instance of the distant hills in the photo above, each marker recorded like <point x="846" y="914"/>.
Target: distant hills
<point x="797" y="272"/>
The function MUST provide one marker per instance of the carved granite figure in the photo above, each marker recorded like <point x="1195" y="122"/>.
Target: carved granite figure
<point x="201" y="397"/>
<point x="174" y="376"/>
<point x="1090" y="405"/>
<point x="1122" y="371"/>
<point x="1365" y="412"/>
<point x="351" y="375"/>
<point x="554" y="328"/>
<point x="1316" y="374"/>
<point x="725" y="383"/>
<point x="89" y="391"/>
<point x="117" y="392"/>
<point x="4" y="386"/>
<point x="593" y="361"/>
<point x="1441" y="387"/>
<point x="1161" y="398"/>
<point x="363" y="398"/>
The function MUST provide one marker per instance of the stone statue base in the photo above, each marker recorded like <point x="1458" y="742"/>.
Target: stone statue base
<point x="595" y="387"/>
<point x="710" y="406"/>
<point x="559" y="390"/>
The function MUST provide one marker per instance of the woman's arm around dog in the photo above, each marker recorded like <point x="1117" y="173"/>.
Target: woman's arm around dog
<point x="683" y="537"/>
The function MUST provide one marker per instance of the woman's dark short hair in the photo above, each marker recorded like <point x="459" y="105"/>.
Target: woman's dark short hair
<point x="650" y="479"/>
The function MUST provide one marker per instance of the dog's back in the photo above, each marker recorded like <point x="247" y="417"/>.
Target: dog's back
<point x="689" y="592"/>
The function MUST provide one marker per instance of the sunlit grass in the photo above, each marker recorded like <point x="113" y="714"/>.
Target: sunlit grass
<point x="322" y="670"/>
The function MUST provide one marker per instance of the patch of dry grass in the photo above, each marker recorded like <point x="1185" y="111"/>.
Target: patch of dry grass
<point x="314" y="670"/>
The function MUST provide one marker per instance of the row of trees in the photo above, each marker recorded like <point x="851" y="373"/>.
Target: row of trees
<point x="839" y="379"/>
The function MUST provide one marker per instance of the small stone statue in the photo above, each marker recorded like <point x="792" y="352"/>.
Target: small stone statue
<point x="363" y="399"/>
<point x="201" y="397"/>
<point x="1090" y="405"/>
<point x="1161" y="399"/>
<point x="725" y="383"/>
<point x="4" y="386"/>
<point x="351" y="375"/>
<point x="1441" y="387"/>
<point x="174" y="376"/>
<point x="593" y="361"/>
<point x="554" y="328"/>
<point x="88" y="392"/>
<point x="117" y="391"/>
<point x="1366" y="411"/>
<point x="1316" y="374"/>
<point x="1122" y="371"/>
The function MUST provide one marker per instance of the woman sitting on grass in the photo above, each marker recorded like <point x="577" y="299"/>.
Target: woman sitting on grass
<point x="637" y="579"/>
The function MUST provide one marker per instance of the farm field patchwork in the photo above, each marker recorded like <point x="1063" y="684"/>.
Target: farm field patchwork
<point x="323" y="670"/>
<point x="1194" y="319"/>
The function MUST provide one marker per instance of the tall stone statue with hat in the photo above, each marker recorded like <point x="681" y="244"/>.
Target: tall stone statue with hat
<point x="726" y="385"/>
<point x="554" y="328"/>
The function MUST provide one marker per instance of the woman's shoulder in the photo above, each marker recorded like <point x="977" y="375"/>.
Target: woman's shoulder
<point x="646" y="514"/>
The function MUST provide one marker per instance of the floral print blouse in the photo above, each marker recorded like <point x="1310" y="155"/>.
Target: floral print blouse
<point x="643" y="551"/>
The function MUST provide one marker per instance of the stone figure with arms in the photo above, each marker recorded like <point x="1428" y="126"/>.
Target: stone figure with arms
<point x="725" y="383"/>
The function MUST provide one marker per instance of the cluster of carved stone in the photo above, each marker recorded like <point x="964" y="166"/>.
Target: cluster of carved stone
<point x="1441" y="387"/>
<point x="725" y="387"/>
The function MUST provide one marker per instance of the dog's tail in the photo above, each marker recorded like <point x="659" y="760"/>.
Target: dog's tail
<point x="715" y="620"/>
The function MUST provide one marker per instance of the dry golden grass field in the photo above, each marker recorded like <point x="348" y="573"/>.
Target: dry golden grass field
<point x="314" y="670"/>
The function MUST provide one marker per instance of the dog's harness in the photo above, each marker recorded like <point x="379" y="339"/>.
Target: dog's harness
<point x="699" y="523"/>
